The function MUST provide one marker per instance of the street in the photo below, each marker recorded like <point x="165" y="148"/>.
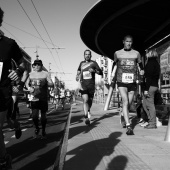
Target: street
<point x="30" y="153"/>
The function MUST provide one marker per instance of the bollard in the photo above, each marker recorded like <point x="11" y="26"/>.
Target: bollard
<point x="167" y="136"/>
<point x="110" y="92"/>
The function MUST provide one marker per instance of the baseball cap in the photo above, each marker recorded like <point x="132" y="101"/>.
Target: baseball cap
<point x="37" y="62"/>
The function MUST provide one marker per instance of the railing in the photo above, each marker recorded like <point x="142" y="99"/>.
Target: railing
<point x="116" y="99"/>
<point x="114" y="102"/>
<point x="166" y="98"/>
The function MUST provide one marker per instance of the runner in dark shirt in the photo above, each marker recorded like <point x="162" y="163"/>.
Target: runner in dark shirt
<point x="9" y="50"/>
<point x="86" y="76"/>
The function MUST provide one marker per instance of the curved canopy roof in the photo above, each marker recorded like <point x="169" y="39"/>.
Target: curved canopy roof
<point x="108" y="21"/>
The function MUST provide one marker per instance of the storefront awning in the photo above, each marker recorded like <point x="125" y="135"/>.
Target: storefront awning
<point x="108" y="21"/>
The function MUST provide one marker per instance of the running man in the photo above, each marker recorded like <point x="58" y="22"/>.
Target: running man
<point x="86" y="75"/>
<point x="38" y="83"/>
<point x="62" y="97"/>
<point x="125" y="67"/>
<point x="8" y="50"/>
<point x="68" y="96"/>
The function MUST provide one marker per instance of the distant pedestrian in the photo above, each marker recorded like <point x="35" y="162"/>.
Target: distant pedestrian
<point x="86" y="75"/>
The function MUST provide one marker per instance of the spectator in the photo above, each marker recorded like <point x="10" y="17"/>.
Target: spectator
<point x="152" y="73"/>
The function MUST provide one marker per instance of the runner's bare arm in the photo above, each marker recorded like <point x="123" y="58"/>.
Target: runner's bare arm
<point x="98" y="69"/>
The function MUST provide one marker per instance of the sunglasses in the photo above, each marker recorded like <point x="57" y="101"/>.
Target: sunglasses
<point x="37" y="64"/>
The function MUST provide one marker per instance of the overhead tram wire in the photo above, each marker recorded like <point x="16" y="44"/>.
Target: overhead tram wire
<point x="30" y="34"/>
<point x="37" y="31"/>
<point x="13" y="35"/>
<point x="46" y="31"/>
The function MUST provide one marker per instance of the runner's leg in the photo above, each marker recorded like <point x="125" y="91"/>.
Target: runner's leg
<point x="85" y="103"/>
<point x="125" y="103"/>
<point x="2" y="144"/>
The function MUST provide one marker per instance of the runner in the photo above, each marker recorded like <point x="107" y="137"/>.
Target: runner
<point x="68" y="96"/>
<point x="125" y="67"/>
<point x="38" y="83"/>
<point x="62" y="97"/>
<point x="86" y="75"/>
<point x="8" y="50"/>
<point x="56" y="96"/>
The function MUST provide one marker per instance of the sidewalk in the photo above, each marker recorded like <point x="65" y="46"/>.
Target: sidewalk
<point x="105" y="146"/>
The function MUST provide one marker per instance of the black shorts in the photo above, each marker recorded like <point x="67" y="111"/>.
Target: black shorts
<point x="40" y="105"/>
<point x="88" y="89"/>
<point x="129" y="86"/>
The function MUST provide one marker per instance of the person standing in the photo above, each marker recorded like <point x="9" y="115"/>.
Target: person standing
<point x="38" y="83"/>
<point x="125" y="70"/>
<point x="152" y="73"/>
<point x="9" y="50"/>
<point x="86" y="75"/>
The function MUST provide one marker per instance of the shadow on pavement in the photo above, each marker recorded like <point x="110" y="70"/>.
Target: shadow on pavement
<point x="35" y="153"/>
<point x="87" y="157"/>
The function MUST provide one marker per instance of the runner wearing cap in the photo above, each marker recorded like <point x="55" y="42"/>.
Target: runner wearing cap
<point x="38" y="83"/>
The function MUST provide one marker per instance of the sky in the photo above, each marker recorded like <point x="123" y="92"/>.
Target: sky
<point x="53" y="33"/>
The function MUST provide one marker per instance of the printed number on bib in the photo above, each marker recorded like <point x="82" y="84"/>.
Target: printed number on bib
<point x="127" y="77"/>
<point x="87" y="75"/>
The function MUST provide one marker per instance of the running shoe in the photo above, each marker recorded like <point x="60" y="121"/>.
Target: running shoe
<point x="122" y="121"/>
<point x="150" y="126"/>
<point x="6" y="162"/>
<point x="129" y="130"/>
<point x="140" y="121"/>
<point x="87" y="121"/>
<point x="144" y="124"/>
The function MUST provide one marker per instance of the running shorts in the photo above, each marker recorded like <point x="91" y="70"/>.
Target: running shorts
<point x="88" y="89"/>
<point x="40" y="105"/>
<point x="129" y="86"/>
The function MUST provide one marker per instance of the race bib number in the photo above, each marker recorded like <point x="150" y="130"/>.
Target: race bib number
<point x="127" y="77"/>
<point x="87" y="75"/>
<point x="1" y="66"/>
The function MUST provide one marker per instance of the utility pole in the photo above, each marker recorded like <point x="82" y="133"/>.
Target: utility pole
<point x="37" y="53"/>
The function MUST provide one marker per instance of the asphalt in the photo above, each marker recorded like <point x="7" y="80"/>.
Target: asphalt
<point x="104" y="144"/>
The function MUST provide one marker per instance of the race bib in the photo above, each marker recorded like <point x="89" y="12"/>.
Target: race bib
<point x="1" y="66"/>
<point x="127" y="77"/>
<point x="87" y="75"/>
